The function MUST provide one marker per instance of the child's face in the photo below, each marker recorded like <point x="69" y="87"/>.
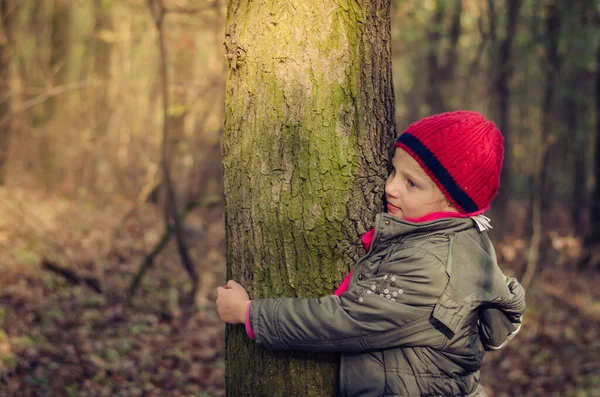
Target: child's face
<point x="410" y="192"/>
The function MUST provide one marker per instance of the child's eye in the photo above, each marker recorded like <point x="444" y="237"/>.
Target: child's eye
<point x="411" y="184"/>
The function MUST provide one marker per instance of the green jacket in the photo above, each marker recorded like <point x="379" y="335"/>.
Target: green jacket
<point x="421" y="308"/>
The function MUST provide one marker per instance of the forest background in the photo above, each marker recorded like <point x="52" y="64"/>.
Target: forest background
<point x="93" y="297"/>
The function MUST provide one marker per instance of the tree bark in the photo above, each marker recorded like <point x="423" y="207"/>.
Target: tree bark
<point x="309" y="129"/>
<point x="6" y="9"/>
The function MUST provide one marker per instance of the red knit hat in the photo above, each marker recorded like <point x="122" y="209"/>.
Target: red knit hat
<point x="462" y="153"/>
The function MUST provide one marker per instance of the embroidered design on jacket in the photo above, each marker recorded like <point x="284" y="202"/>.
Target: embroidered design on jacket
<point x="385" y="287"/>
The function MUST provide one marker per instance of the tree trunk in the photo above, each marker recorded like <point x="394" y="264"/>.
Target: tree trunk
<point x="503" y="75"/>
<point x="309" y="128"/>
<point x="6" y="10"/>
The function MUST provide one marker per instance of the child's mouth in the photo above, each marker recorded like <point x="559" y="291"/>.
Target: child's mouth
<point x="392" y="208"/>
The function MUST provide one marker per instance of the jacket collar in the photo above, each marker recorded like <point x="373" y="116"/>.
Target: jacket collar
<point x="388" y="227"/>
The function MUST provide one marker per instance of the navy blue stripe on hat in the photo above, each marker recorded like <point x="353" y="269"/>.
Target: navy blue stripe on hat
<point x="438" y="170"/>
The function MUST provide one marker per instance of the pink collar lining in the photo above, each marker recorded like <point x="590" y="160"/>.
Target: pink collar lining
<point x="436" y="215"/>
<point x="447" y="214"/>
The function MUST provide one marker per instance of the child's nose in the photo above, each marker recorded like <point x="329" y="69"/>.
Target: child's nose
<point x="391" y="189"/>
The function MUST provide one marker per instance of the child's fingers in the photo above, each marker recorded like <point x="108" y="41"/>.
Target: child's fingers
<point x="233" y="284"/>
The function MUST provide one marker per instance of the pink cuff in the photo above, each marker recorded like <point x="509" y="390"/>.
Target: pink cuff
<point x="249" y="331"/>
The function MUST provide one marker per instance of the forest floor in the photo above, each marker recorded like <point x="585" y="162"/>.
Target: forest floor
<point x="62" y="338"/>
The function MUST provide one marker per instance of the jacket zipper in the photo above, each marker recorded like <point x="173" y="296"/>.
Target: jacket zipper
<point x="355" y="273"/>
<point x="342" y="388"/>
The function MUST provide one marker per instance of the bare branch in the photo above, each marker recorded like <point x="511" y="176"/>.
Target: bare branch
<point x="52" y="92"/>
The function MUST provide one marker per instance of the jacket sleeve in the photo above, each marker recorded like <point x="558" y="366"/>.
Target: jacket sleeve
<point x="501" y="320"/>
<point x="388" y="310"/>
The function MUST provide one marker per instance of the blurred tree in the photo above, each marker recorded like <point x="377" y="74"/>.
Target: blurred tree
<point x="552" y="63"/>
<point x="60" y="41"/>
<point x="206" y="172"/>
<point x="575" y="92"/>
<point x="594" y="238"/>
<point x="309" y="127"/>
<point x="98" y="57"/>
<point x="502" y="71"/>
<point x="53" y="111"/>
<point x="574" y="146"/>
<point x="440" y="72"/>
<point x="102" y="38"/>
<point x="7" y="12"/>
<point x="541" y="196"/>
<point x="172" y="213"/>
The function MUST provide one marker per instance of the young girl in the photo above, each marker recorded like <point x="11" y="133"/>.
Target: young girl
<point x="416" y="314"/>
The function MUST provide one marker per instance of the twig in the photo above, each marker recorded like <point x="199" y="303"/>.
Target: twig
<point x="71" y="276"/>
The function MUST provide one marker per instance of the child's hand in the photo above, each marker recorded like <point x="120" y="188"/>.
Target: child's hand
<point x="232" y="301"/>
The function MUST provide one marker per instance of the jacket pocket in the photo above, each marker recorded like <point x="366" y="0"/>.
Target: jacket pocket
<point x="449" y="312"/>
